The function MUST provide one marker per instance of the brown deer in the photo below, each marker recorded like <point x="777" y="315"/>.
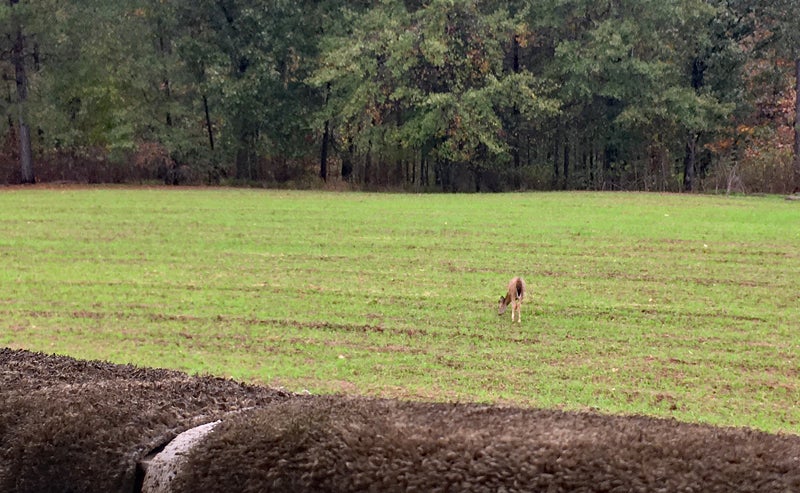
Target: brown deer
<point x="514" y="296"/>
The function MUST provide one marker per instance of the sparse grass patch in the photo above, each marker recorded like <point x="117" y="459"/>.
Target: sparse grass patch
<point x="670" y="305"/>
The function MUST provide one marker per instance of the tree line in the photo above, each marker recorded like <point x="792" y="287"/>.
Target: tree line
<point x="450" y="95"/>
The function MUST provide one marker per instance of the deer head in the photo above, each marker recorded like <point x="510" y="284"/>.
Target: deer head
<point x="501" y="306"/>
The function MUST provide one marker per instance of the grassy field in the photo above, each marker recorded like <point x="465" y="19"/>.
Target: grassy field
<point x="669" y="305"/>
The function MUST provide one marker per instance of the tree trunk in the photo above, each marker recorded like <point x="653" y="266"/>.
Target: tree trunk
<point x="243" y="164"/>
<point x="566" y="163"/>
<point x="326" y="133"/>
<point x="208" y="123"/>
<point x="690" y="158"/>
<point x="347" y="162"/>
<point x="21" y="79"/>
<point x="164" y="50"/>
<point x="516" y="121"/>
<point x="246" y="157"/>
<point x="368" y="163"/>
<point x="796" y="160"/>
<point x="25" y="153"/>
<point x="556" y="146"/>
<point x="323" y="155"/>
<point x="689" y="163"/>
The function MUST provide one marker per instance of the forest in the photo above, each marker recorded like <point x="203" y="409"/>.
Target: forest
<point x="418" y="95"/>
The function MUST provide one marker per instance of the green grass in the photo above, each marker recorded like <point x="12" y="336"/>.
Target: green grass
<point x="668" y="305"/>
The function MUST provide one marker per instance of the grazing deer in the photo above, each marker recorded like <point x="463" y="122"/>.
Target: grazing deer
<point x="514" y="296"/>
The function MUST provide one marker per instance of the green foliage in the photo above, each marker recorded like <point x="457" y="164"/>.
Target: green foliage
<point x="430" y="81"/>
<point x="592" y="94"/>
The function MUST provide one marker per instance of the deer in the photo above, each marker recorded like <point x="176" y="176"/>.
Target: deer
<point x="514" y="296"/>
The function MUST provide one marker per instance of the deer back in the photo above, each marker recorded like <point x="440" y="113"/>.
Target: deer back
<point x="516" y="289"/>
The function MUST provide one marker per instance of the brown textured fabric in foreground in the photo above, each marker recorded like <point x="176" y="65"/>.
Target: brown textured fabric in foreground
<point x="81" y="426"/>
<point x="335" y="444"/>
